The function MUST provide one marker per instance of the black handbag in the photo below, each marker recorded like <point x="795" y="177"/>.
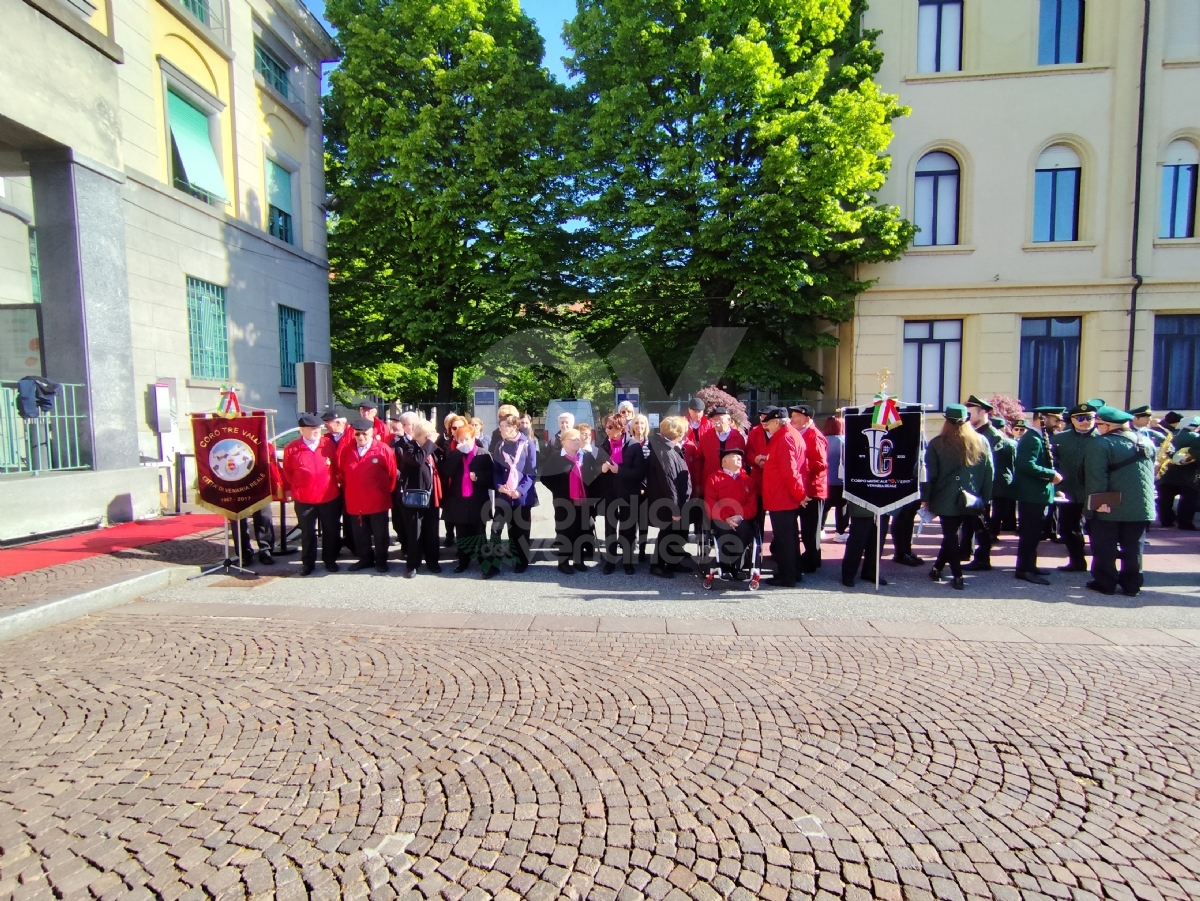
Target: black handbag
<point x="415" y="497"/>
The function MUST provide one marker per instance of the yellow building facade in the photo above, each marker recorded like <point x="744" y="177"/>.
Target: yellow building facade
<point x="1018" y="164"/>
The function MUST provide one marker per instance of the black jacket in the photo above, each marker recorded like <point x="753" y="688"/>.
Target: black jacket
<point x="412" y="464"/>
<point x="627" y="481"/>
<point x="466" y="510"/>
<point x="668" y="478"/>
<point x="556" y="474"/>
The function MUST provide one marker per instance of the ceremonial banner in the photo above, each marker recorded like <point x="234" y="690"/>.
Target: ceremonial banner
<point x="233" y="459"/>
<point x="884" y="456"/>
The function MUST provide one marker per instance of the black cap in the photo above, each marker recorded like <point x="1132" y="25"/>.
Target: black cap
<point x="1050" y="410"/>
<point x="367" y="405"/>
<point x="718" y="411"/>
<point x="1172" y="418"/>
<point x="362" y="424"/>
<point x="696" y="404"/>
<point x="1085" y="407"/>
<point x="328" y="416"/>
<point x="974" y="401"/>
<point x="309" y="421"/>
<point x="1143" y="410"/>
<point x="733" y="450"/>
<point x="773" y="413"/>
<point x="802" y="409"/>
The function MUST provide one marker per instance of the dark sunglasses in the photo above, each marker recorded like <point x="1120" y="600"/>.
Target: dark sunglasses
<point x="1082" y="417"/>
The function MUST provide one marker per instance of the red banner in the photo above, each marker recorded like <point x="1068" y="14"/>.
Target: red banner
<point x="233" y="459"/>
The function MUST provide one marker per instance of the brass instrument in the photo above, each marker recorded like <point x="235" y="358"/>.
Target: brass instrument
<point x="1163" y="457"/>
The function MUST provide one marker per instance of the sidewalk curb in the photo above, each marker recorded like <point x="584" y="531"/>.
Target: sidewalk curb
<point x="58" y="610"/>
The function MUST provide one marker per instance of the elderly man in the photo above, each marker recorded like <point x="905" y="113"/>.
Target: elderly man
<point x="783" y="495"/>
<point x="336" y="431"/>
<point x="1070" y="448"/>
<point x="310" y="473"/>
<point x="1120" y="464"/>
<point x="368" y="473"/>
<point x="816" y="484"/>
<point x="369" y="411"/>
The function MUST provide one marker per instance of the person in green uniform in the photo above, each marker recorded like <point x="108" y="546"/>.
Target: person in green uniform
<point x="1069" y="447"/>
<point x="958" y="486"/>
<point x="1033" y="488"/>
<point x="1004" y="461"/>
<point x="977" y="534"/>
<point x="1120" y="461"/>
<point x="1143" y="424"/>
<point x="1179" y="478"/>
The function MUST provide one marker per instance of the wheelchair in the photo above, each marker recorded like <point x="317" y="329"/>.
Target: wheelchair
<point x="750" y="559"/>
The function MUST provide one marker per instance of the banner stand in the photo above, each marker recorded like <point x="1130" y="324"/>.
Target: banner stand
<point x="878" y="551"/>
<point x="229" y="564"/>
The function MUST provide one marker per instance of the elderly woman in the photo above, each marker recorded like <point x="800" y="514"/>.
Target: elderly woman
<point x="668" y="488"/>
<point x="958" y="469"/>
<point x="567" y="473"/>
<point x="639" y="430"/>
<point x="622" y="469"/>
<point x="514" y="476"/>
<point x="420" y="490"/>
<point x="468" y="473"/>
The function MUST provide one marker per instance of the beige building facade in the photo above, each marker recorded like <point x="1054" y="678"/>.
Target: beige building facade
<point x="162" y="223"/>
<point x="1018" y="164"/>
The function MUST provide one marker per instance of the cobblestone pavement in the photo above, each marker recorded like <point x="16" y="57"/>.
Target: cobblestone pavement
<point x="184" y="756"/>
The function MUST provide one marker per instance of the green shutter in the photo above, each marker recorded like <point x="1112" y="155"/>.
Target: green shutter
<point x="279" y="187"/>
<point x="189" y="129"/>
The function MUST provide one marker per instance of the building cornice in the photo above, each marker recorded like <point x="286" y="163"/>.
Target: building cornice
<point x="1116" y="287"/>
<point x="1039" y="72"/>
<point x="93" y="37"/>
<point x="312" y="29"/>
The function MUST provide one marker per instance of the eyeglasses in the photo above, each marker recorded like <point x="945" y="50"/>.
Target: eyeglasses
<point x="1018" y="428"/>
<point x="357" y="432"/>
<point x="1083" y="417"/>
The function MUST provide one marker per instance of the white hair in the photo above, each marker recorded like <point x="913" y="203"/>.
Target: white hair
<point x="408" y="417"/>
<point x="570" y="418"/>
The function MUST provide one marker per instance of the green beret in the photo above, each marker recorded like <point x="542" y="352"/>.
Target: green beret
<point x="1114" y="416"/>
<point x="1020" y="424"/>
<point x="956" y="412"/>
<point x="1097" y="402"/>
<point x="974" y="401"/>
<point x="998" y="422"/>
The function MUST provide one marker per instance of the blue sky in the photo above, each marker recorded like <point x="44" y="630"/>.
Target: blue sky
<point x="548" y="14"/>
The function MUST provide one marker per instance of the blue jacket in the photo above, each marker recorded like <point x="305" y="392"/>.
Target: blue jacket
<point x="526" y="485"/>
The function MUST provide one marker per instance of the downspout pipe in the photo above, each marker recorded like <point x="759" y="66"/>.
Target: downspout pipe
<point x="1137" y="205"/>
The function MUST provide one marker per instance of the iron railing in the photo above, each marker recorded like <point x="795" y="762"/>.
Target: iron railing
<point x="50" y="442"/>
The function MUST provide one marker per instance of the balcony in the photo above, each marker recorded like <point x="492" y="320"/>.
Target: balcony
<point x="54" y="441"/>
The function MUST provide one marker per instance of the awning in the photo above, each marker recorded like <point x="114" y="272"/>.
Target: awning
<point x="189" y="129"/>
<point x="279" y="187"/>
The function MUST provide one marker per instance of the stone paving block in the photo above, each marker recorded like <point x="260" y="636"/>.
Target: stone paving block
<point x="1061" y="635"/>
<point x="499" y="621"/>
<point x="371" y="617"/>
<point x="700" y="627"/>
<point x="550" y="623"/>
<point x="633" y="624"/>
<point x="770" y="627"/>
<point x="840" y="628"/>
<point x="1133" y="637"/>
<point x="926" y="631"/>
<point x="1191" y="636"/>
<point x="435" y="620"/>
<point x="1005" y="634"/>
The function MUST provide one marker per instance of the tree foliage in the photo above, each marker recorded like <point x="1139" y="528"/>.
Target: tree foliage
<point x="441" y="153"/>
<point x="728" y="155"/>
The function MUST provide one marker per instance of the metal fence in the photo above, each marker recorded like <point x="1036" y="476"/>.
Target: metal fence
<point x="50" y="442"/>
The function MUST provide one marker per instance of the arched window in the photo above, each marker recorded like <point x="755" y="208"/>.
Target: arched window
<point x="1060" y="32"/>
<point x="939" y="35"/>
<point x="936" y="212"/>
<point x="1177" y="216"/>
<point x="1056" y="195"/>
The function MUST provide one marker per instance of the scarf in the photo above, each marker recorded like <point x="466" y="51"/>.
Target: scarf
<point x="576" y="479"/>
<point x="468" y="486"/>
<point x="617" y="452"/>
<point x="513" y="461"/>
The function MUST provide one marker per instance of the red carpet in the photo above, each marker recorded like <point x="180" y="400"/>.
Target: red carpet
<point x="103" y="541"/>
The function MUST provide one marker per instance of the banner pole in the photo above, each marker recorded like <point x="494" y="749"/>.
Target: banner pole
<point x="878" y="551"/>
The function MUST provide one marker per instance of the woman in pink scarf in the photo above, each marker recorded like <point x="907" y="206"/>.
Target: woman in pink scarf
<point x="568" y="472"/>
<point x="466" y="503"/>
<point x="514" y="461"/>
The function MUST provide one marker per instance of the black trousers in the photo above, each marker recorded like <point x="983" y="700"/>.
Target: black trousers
<point x="1187" y="504"/>
<point x="902" y="528"/>
<point x="371" y="539"/>
<point x="569" y="517"/>
<point x="329" y="517"/>
<point x="519" y="521"/>
<point x="1031" y="526"/>
<point x="398" y="525"/>
<point x="348" y="532"/>
<point x="264" y="531"/>
<point x="1051" y="531"/>
<point x="420" y="537"/>
<point x="1112" y="540"/>
<point x="810" y="533"/>
<point x="669" y="548"/>
<point x="785" y="545"/>
<point x="470" y="539"/>
<point x="1070" y="528"/>
<point x="1004" y="515"/>
<point x="620" y="530"/>
<point x="732" y="543"/>
<point x="956" y="542"/>
<point x="841" y="512"/>
<point x="862" y="547"/>
<point x="976" y="539"/>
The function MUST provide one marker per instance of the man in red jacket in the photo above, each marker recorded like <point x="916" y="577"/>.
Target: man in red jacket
<point x="783" y="494"/>
<point x="713" y="443"/>
<point x="310" y="473"/>
<point x="730" y="498"/>
<point x="368" y="410"/>
<point x="697" y="427"/>
<point x="816" y="484"/>
<point x="368" y="473"/>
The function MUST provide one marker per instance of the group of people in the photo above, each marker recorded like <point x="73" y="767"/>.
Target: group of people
<point x="700" y="473"/>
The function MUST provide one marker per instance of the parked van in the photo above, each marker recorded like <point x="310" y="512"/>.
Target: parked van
<point x="582" y="410"/>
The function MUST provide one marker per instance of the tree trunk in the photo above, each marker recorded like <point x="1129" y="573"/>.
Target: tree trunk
<point x="445" y="381"/>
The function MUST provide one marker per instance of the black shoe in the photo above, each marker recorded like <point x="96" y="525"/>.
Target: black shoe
<point x="979" y="566"/>
<point x="629" y="570"/>
<point x="410" y="574"/>
<point x="265" y="558"/>
<point x="462" y="567"/>
<point x="436" y="569"/>
<point x="1096" y="586"/>
<point x="332" y="567"/>
<point x="1033" y="578"/>
<point x="307" y="570"/>
<point x="642" y="556"/>
<point x="520" y="568"/>
<point x="662" y="573"/>
<point x="491" y="573"/>
<point x="609" y="568"/>
<point x="359" y="565"/>
<point x="778" y="583"/>
<point x="566" y="568"/>
<point x="957" y="582"/>
<point x="935" y="574"/>
<point x="1073" y="568"/>
<point x="1187" y="528"/>
<point x="871" y="579"/>
<point x="909" y="559"/>
<point x="381" y="568"/>
<point x="247" y="561"/>
<point x="1131" y="593"/>
<point x="849" y="583"/>
<point x="582" y="567"/>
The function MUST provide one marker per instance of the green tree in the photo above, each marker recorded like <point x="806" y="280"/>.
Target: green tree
<point x="441" y="153"/>
<point x="729" y="155"/>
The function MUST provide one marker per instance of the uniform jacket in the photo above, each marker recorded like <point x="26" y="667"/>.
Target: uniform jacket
<point x="1134" y="479"/>
<point x="816" y="462"/>
<point x="460" y="509"/>
<point x="668" y="480"/>
<point x="627" y="481"/>
<point x="756" y="446"/>
<point x="1034" y="470"/>
<point x="783" y="473"/>
<point x="1070" y="448"/>
<point x="711" y="450"/>
<point x="418" y="469"/>
<point x="527" y="483"/>
<point x="1004" y="460"/>
<point x="693" y="453"/>
<point x="367" y="480"/>
<point x="947" y="480"/>
<point x="725" y="496"/>
<point x="311" y="476"/>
